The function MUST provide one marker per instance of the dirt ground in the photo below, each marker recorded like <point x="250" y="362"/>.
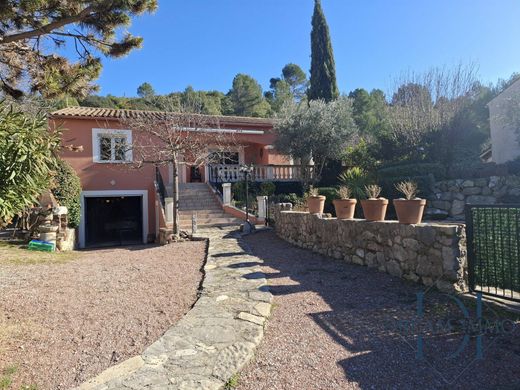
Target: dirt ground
<point x="343" y="326"/>
<point x="67" y="318"/>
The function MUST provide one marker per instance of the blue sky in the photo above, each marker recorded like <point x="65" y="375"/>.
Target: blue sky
<point x="205" y="43"/>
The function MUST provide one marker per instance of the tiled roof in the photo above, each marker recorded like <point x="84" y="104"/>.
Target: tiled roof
<point x="111" y="113"/>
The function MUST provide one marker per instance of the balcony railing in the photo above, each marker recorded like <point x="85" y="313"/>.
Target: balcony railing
<point x="224" y="173"/>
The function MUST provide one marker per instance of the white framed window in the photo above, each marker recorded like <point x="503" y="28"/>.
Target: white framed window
<point x="111" y="145"/>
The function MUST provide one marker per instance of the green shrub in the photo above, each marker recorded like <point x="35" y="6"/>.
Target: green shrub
<point x="267" y="188"/>
<point x="239" y="190"/>
<point x="286" y="198"/>
<point x="27" y="160"/>
<point x="67" y="190"/>
<point x="412" y="170"/>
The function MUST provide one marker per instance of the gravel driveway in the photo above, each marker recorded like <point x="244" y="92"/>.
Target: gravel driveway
<point x="334" y="327"/>
<point x="63" y="323"/>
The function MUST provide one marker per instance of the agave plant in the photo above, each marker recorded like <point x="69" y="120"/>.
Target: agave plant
<point x="355" y="179"/>
<point x="313" y="192"/>
<point x="372" y="191"/>
<point x="344" y="192"/>
<point x="408" y="189"/>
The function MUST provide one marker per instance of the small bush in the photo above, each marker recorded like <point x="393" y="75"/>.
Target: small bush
<point x="67" y="190"/>
<point x="267" y="188"/>
<point x="239" y="190"/>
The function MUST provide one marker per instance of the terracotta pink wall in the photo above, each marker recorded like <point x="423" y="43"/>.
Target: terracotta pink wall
<point x="105" y="177"/>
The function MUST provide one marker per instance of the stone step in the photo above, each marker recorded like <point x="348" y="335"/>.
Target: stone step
<point x="210" y="221"/>
<point x="202" y="214"/>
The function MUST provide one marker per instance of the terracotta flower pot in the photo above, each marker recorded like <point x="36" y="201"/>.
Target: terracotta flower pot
<point x="345" y="208"/>
<point x="374" y="209"/>
<point x="315" y="204"/>
<point x="409" y="211"/>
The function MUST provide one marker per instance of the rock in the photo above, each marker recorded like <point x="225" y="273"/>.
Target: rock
<point x="441" y="204"/>
<point x="493" y="181"/>
<point x="457" y="207"/>
<point x="459" y="196"/>
<point x="394" y="269"/>
<point x="360" y="253"/>
<point x="486" y="191"/>
<point x="423" y="266"/>
<point x="411" y="276"/>
<point x="264" y="309"/>
<point x="411" y="243"/>
<point x="481" y="182"/>
<point x="468" y="183"/>
<point x="472" y="191"/>
<point x="480" y="199"/>
<point x="445" y="286"/>
<point x="251" y="318"/>
<point x="427" y="235"/>
<point x="399" y="253"/>
<point x="357" y="260"/>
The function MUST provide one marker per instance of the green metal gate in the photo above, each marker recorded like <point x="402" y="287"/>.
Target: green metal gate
<point x="493" y="234"/>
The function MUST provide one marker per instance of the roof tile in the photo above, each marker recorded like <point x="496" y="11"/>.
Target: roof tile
<point x="109" y="113"/>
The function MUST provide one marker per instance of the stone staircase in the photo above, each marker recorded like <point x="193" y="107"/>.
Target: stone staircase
<point x="197" y="198"/>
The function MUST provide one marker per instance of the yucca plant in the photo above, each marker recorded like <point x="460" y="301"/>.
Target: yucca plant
<point x="355" y="179"/>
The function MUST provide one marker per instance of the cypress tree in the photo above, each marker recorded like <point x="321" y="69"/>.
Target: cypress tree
<point x="323" y="70"/>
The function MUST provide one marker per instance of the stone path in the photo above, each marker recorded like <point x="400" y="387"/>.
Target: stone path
<point x="216" y="338"/>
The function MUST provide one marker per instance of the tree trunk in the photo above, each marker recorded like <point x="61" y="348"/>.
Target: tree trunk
<point x="175" y="196"/>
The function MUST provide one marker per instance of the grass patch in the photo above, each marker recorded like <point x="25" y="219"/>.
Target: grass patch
<point x="7" y="377"/>
<point x="16" y="252"/>
<point x="232" y="382"/>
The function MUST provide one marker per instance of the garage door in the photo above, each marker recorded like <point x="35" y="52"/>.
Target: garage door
<point x="114" y="220"/>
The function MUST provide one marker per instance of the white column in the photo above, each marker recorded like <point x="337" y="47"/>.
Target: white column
<point x="226" y="193"/>
<point x="262" y="206"/>
<point x="168" y="203"/>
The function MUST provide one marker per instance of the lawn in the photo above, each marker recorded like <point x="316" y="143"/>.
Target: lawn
<point x="16" y="252"/>
<point x="66" y="317"/>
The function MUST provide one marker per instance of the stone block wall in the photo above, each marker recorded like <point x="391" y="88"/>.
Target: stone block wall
<point x="449" y="197"/>
<point x="431" y="254"/>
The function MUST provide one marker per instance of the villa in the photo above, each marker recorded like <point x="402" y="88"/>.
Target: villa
<point x="121" y="205"/>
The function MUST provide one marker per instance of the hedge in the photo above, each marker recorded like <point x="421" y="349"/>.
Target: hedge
<point x="67" y="190"/>
<point x="414" y="170"/>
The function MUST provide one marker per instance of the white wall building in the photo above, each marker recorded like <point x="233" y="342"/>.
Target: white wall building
<point x="504" y="116"/>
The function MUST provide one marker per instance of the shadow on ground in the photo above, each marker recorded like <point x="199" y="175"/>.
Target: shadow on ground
<point x="367" y="324"/>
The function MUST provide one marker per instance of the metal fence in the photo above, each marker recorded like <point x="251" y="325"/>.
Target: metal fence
<point x="493" y="234"/>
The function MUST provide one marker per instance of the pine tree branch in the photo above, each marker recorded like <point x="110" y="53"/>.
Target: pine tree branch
<point x="48" y="28"/>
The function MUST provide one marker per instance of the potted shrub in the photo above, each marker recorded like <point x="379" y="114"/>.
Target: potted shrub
<point x="315" y="201"/>
<point x="344" y="206"/>
<point x="409" y="209"/>
<point x="374" y="208"/>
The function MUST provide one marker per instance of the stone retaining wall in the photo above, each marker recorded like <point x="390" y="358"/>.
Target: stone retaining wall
<point x="431" y="254"/>
<point x="449" y="197"/>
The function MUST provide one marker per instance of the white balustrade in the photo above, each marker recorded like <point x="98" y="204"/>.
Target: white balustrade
<point x="231" y="173"/>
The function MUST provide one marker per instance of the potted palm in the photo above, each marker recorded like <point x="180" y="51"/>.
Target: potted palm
<point x="374" y="208"/>
<point x="315" y="201"/>
<point x="344" y="206"/>
<point x="409" y="209"/>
